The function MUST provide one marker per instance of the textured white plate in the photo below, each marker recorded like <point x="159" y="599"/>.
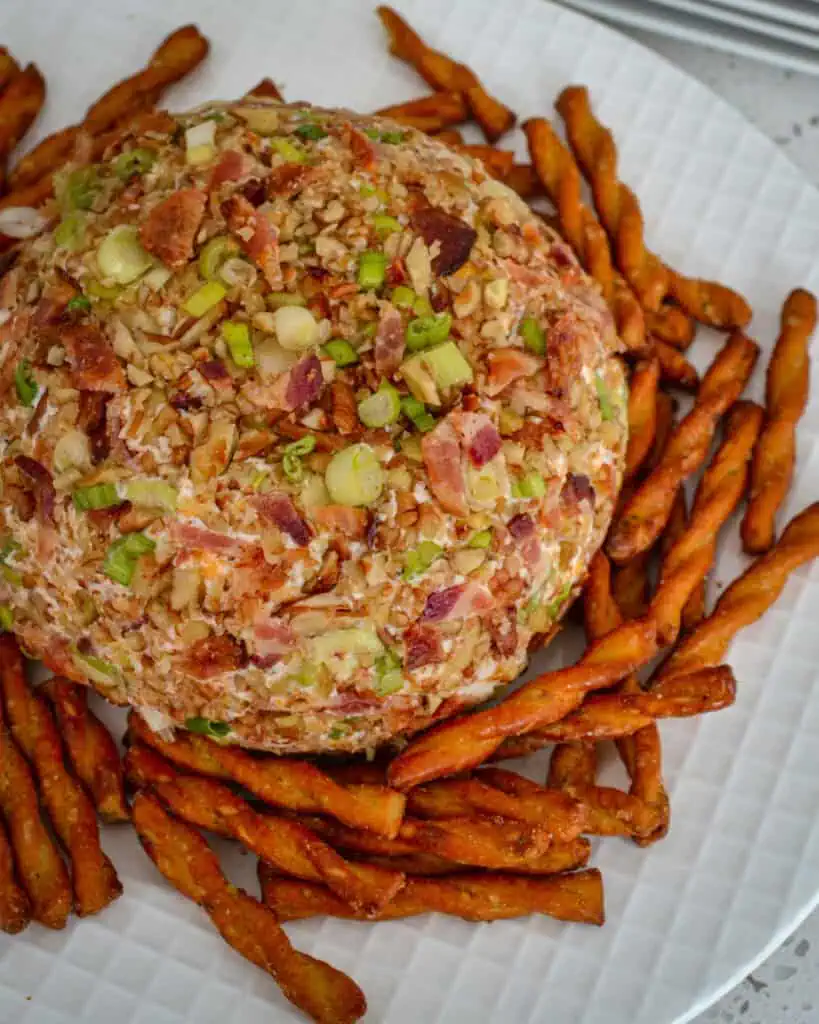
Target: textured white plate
<point x="740" y="868"/>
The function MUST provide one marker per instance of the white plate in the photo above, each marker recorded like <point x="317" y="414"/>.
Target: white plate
<point x="740" y="868"/>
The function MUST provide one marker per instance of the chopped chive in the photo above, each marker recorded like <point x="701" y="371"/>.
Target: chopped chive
<point x="372" y="269"/>
<point x="237" y="336"/>
<point x="210" y="727"/>
<point x="424" y="331"/>
<point x="25" y="384"/>
<point x="79" y="304"/>
<point x="87" y="499"/>
<point x="533" y="337"/>
<point x="121" y="556"/>
<point x="342" y="352"/>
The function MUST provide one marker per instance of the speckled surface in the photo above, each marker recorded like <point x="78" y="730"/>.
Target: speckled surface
<point x="785" y="105"/>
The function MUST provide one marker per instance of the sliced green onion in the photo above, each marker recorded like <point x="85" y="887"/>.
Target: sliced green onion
<point x="604" y="398"/>
<point x="210" y="727"/>
<point x="366" y="190"/>
<point x="296" y="328"/>
<point x="553" y="608"/>
<point x="237" y="336"/>
<point x="341" y="351"/>
<point x="277" y="299"/>
<point x="6" y="618"/>
<point x="481" y="539"/>
<point x="311" y="130"/>
<point x="372" y="269"/>
<point x="205" y="298"/>
<point x="385" y="225"/>
<point x="372" y="133"/>
<point x="292" y="455"/>
<point x="121" y="255"/>
<point x="137" y="161"/>
<point x="11" y="575"/>
<point x="216" y="252"/>
<point x="416" y="412"/>
<point x="382" y="408"/>
<point x="533" y="337"/>
<point x="77" y="190"/>
<point x="97" y="496"/>
<point x="70" y="232"/>
<point x="9" y="548"/>
<point x="421" y="558"/>
<point x="393" y="137"/>
<point x="422" y="306"/>
<point x="447" y="365"/>
<point x="25" y="384"/>
<point x="121" y="557"/>
<point x="289" y="150"/>
<point x="368" y="330"/>
<point x="428" y="330"/>
<point x="389" y="681"/>
<point x="403" y="297"/>
<point x="79" y="304"/>
<point x="152" y="494"/>
<point x="532" y="485"/>
<point x="102" y="291"/>
<point x="354" y="476"/>
<point x="97" y="669"/>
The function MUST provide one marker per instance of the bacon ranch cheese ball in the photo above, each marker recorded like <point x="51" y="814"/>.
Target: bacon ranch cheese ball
<point x="309" y="427"/>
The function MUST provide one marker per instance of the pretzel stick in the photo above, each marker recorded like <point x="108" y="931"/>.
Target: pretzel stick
<point x="694" y="608"/>
<point x="571" y="764"/>
<point x="560" y="178"/>
<point x="675" y="370"/>
<point x="287" y="845"/>
<point x="641" y="519"/>
<point x="642" y="414"/>
<point x="90" y="748"/>
<point x="189" y="864"/>
<point x="558" y="858"/>
<point x="786" y="394"/>
<point x="478" y="897"/>
<point x="687" y="562"/>
<point x="466" y="742"/>
<point x="8" y="67"/>
<point x="20" y="103"/>
<point x="15" y="909"/>
<point x="523" y="180"/>
<point x="748" y="597"/>
<point x="283" y="782"/>
<point x="671" y="325"/>
<point x="619" y="210"/>
<point x="430" y="113"/>
<point x="443" y="73"/>
<point x="39" y="866"/>
<point x="617" y="206"/>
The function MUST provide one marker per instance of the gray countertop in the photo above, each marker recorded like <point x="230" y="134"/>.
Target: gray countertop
<point x="785" y="105"/>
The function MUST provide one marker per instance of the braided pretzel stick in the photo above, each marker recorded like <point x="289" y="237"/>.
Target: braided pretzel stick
<point x="468" y="741"/>
<point x="643" y="516"/>
<point x="785" y="399"/>
<point x="687" y="562"/>
<point x="748" y="597"/>
<point x="619" y="210"/>
<point x="617" y="206"/>
<point x="694" y="608"/>
<point x="561" y="181"/>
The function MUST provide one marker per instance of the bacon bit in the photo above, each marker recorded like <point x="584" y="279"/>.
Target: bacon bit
<point x="521" y="526"/>
<point x="423" y="647"/>
<point x="103" y="517"/>
<point x="441" y="452"/>
<point x="215" y="656"/>
<point x="361" y="147"/>
<point x="576" y="489"/>
<point x="328" y="575"/>
<point x="231" y="167"/>
<point x="319" y="306"/>
<point x="184" y="401"/>
<point x="279" y="509"/>
<point x="272" y="636"/>
<point x="564" y="354"/>
<point x="390" y="341"/>
<point x="345" y="414"/>
<point x="396" y="272"/>
<point x="170" y="229"/>
<point x="42" y="486"/>
<point x="94" y="365"/>
<point x="288" y="180"/>
<point x="216" y="373"/>
<point x="305" y="382"/>
<point x="343" y="519"/>
<point x="258" y="237"/>
<point x="201" y="539"/>
<point x="457" y="602"/>
<point x="507" y="365"/>
<point x="254" y="191"/>
<point x="91" y="418"/>
<point x="485" y="444"/>
<point x="526" y="277"/>
<point x="453" y="235"/>
<point x="51" y="307"/>
<point x="503" y="629"/>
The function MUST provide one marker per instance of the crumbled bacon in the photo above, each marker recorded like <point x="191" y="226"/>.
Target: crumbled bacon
<point x="257" y="236"/>
<point x="454" y="237"/>
<point x="506" y="365"/>
<point x="441" y="452"/>
<point x="280" y="510"/>
<point x="169" y="231"/>
<point x="361" y="147"/>
<point x="272" y="636"/>
<point x="42" y="486"/>
<point x="521" y="526"/>
<point x="390" y="340"/>
<point x="484" y="444"/>
<point x="576" y="489"/>
<point x="287" y="180"/>
<point x="343" y="519"/>
<point x="503" y="629"/>
<point x="457" y="602"/>
<point x="91" y="418"/>
<point x="200" y="538"/>
<point x="214" y="656"/>
<point x="231" y="167"/>
<point x="94" y="366"/>
<point x="305" y="383"/>
<point x="423" y="647"/>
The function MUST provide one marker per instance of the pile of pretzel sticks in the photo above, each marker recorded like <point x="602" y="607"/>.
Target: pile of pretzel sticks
<point x="440" y="827"/>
